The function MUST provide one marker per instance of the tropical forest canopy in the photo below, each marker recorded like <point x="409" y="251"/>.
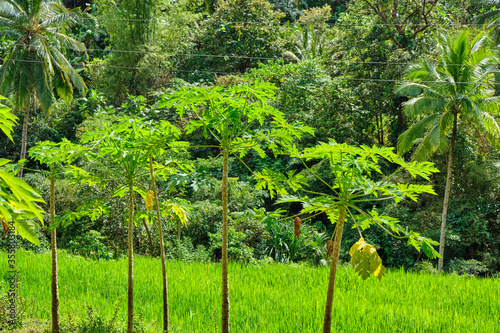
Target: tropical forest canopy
<point x="417" y="77"/>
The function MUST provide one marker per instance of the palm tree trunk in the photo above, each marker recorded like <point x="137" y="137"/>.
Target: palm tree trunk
<point x="149" y="237"/>
<point x="327" y="322"/>
<point x="24" y="139"/>
<point x="162" y="250"/>
<point x="447" y="194"/>
<point x="130" y="305"/>
<point x="225" y="281"/>
<point x="56" y="323"/>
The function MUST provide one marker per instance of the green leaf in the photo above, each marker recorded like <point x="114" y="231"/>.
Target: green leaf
<point x="27" y="229"/>
<point x="365" y="260"/>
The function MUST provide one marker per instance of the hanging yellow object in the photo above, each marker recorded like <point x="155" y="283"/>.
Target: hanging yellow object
<point x="149" y="200"/>
<point x="365" y="260"/>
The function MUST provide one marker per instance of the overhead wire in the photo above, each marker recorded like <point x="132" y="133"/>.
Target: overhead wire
<point x="195" y="55"/>
<point x="240" y="74"/>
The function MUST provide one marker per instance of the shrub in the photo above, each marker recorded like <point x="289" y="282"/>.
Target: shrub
<point x="90" y="244"/>
<point x="467" y="267"/>
<point x="237" y="248"/>
<point x="185" y="251"/>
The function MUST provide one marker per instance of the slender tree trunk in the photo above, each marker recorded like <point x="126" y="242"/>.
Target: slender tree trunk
<point x="149" y="237"/>
<point x="24" y="139"/>
<point x="179" y="231"/>
<point x="130" y="304"/>
<point x="327" y="322"/>
<point x="225" y="281"/>
<point x="56" y="323"/>
<point x="447" y="192"/>
<point x="162" y="250"/>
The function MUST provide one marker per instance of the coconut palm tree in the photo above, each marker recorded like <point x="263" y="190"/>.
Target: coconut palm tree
<point x="490" y="19"/>
<point x="456" y="91"/>
<point x="35" y="65"/>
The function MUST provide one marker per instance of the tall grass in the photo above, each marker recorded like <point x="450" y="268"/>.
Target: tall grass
<point x="269" y="298"/>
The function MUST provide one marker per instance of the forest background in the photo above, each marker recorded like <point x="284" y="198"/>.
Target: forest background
<point x="335" y="64"/>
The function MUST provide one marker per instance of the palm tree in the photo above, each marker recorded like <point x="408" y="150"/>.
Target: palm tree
<point x="490" y="19"/>
<point x="457" y="91"/>
<point x="35" y="65"/>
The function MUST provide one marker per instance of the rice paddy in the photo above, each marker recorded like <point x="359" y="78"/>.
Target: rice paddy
<point x="268" y="298"/>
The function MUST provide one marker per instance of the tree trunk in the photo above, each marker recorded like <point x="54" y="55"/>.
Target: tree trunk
<point x="179" y="230"/>
<point x="149" y="237"/>
<point x="225" y="282"/>
<point x="162" y="250"/>
<point x="447" y="192"/>
<point x="24" y="139"/>
<point x="130" y="305"/>
<point x="327" y="322"/>
<point x="56" y="323"/>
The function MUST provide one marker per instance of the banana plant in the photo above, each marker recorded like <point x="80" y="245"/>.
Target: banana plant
<point x="352" y="182"/>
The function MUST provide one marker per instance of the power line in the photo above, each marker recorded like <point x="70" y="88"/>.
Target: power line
<point x="195" y="55"/>
<point x="337" y="23"/>
<point x="239" y="74"/>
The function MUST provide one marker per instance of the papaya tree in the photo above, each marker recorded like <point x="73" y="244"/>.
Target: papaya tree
<point x="55" y="156"/>
<point x="124" y="146"/>
<point x="153" y="142"/>
<point x="352" y="182"/>
<point x="240" y="119"/>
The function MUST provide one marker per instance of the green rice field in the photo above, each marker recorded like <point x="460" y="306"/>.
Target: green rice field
<point x="267" y="298"/>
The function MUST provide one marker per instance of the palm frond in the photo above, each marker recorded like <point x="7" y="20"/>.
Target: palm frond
<point x="68" y="42"/>
<point x="414" y="89"/>
<point x="66" y="67"/>
<point x="424" y="71"/>
<point x="478" y="43"/>
<point x="483" y="18"/>
<point x="490" y="104"/>
<point x="436" y="139"/>
<point x="416" y="131"/>
<point x="11" y="9"/>
<point x="43" y="85"/>
<point x="41" y="46"/>
<point x="422" y="105"/>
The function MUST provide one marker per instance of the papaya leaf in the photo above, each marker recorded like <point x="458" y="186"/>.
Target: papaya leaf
<point x="366" y="261"/>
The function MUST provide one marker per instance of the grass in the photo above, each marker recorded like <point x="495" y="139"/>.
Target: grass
<point x="269" y="298"/>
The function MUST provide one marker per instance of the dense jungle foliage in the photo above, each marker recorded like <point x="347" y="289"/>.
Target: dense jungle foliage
<point x="336" y="67"/>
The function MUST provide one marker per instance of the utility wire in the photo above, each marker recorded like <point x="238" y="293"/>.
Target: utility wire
<point x="239" y="74"/>
<point x="337" y="23"/>
<point x="349" y="62"/>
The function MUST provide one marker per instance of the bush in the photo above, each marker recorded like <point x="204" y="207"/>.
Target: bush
<point x="237" y="248"/>
<point x="470" y="267"/>
<point x="185" y="251"/>
<point x="424" y="267"/>
<point x="90" y="245"/>
<point x="283" y="247"/>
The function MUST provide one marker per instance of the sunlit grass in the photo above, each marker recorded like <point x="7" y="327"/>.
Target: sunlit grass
<point x="269" y="298"/>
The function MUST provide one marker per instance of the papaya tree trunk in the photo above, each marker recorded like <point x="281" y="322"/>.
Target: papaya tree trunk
<point x="225" y="281"/>
<point x="56" y="323"/>
<point x="130" y="295"/>
<point x="149" y="237"/>
<point x="24" y="138"/>
<point x="179" y="230"/>
<point x="447" y="192"/>
<point x="162" y="250"/>
<point x="327" y="322"/>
